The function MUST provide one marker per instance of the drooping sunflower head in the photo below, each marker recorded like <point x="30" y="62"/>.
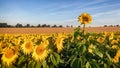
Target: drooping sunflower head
<point x="40" y="52"/>
<point x="9" y="56"/>
<point x="27" y="47"/>
<point x="85" y="18"/>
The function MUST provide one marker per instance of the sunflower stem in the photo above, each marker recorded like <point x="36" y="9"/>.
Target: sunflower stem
<point x="83" y="28"/>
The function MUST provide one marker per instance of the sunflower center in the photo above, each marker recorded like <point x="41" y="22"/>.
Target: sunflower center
<point x="40" y="50"/>
<point x="28" y="45"/>
<point x="10" y="53"/>
<point x="85" y="19"/>
<point x="101" y="39"/>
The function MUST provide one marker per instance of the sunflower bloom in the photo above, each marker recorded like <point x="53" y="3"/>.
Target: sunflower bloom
<point x="40" y="52"/>
<point x="118" y="38"/>
<point x="27" y="47"/>
<point x="115" y="60"/>
<point x="114" y="47"/>
<point x="117" y="56"/>
<point x="59" y="44"/>
<point x="105" y="34"/>
<point x="100" y="39"/>
<point x="118" y="53"/>
<point x="85" y="18"/>
<point x="90" y="48"/>
<point x="114" y="42"/>
<point x="111" y="36"/>
<point x="9" y="56"/>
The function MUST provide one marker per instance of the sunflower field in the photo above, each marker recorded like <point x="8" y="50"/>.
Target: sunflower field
<point x="79" y="49"/>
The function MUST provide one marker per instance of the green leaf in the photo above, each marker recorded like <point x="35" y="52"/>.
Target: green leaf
<point x="109" y="57"/>
<point x="94" y="64"/>
<point x="88" y="65"/>
<point x="53" y="59"/>
<point x="21" y="59"/>
<point x="97" y="52"/>
<point x="105" y="65"/>
<point x="29" y="64"/>
<point x="76" y="32"/>
<point x="82" y="49"/>
<point x="38" y="65"/>
<point x="57" y="56"/>
<point x="24" y="66"/>
<point x="45" y="64"/>
<point x="33" y="64"/>
<point x="75" y="63"/>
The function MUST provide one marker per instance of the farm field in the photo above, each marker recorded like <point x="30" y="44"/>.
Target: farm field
<point x="55" y="30"/>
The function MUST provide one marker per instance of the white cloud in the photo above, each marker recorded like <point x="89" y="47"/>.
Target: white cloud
<point x="107" y="18"/>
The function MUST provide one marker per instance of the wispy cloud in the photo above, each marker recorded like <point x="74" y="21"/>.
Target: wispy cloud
<point x="107" y="18"/>
<point x="66" y="8"/>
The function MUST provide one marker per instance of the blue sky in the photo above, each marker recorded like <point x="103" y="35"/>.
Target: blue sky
<point x="59" y="12"/>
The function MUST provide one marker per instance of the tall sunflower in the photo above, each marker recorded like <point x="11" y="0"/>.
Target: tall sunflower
<point x="27" y="47"/>
<point x="85" y="18"/>
<point x="9" y="56"/>
<point x="40" y="52"/>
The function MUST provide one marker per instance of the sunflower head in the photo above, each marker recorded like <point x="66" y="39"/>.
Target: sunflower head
<point x="27" y="47"/>
<point x="115" y="60"/>
<point x="111" y="36"/>
<point x="9" y="56"/>
<point x="100" y="39"/>
<point x="59" y="44"/>
<point x="85" y="18"/>
<point x="114" y="46"/>
<point x="40" y="52"/>
<point x="114" y="42"/>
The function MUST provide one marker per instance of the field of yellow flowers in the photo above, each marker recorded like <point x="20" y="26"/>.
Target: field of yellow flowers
<point x="61" y="50"/>
<point x="77" y="50"/>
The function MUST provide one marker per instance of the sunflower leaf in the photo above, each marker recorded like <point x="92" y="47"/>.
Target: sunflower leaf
<point x="97" y="52"/>
<point x="21" y="59"/>
<point x="75" y="63"/>
<point x="53" y="59"/>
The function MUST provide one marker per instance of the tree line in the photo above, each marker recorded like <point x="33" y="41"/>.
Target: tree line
<point x="28" y="25"/>
<point x="45" y="25"/>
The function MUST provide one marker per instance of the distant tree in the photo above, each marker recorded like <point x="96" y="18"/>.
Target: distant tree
<point x="111" y="25"/>
<point x="71" y="26"/>
<point x="32" y="26"/>
<point x="9" y="26"/>
<point x="117" y="25"/>
<point x="60" y="26"/>
<point x="67" y="26"/>
<point x="28" y="25"/>
<point x="54" y="26"/>
<point x="44" y="25"/>
<point x="3" y="25"/>
<point x="38" y="25"/>
<point x="48" y="25"/>
<point x="18" y="25"/>
<point x="105" y="25"/>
